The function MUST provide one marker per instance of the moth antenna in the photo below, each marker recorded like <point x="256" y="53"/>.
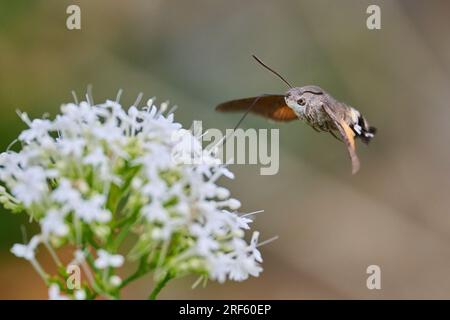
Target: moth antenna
<point x="273" y="71"/>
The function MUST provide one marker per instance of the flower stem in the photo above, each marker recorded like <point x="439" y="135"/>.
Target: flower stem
<point x="141" y="271"/>
<point x="121" y="237"/>
<point x="39" y="270"/>
<point x="53" y="254"/>
<point x="161" y="284"/>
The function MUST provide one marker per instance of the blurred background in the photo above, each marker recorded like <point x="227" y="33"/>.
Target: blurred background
<point x="394" y="213"/>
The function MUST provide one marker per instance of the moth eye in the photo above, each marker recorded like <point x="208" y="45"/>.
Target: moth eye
<point x="301" y="101"/>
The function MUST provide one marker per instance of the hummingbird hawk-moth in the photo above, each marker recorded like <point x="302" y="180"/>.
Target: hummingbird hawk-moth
<point x="313" y="105"/>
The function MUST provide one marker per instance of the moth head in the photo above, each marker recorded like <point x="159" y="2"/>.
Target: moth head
<point x="302" y="96"/>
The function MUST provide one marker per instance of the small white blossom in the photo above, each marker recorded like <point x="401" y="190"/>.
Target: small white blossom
<point x="71" y="147"/>
<point x="79" y="257"/>
<point x="92" y="209"/>
<point x="31" y="185"/>
<point x="115" y="281"/>
<point x="65" y="194"/>
<point x="54" y="293"/>
<point x="245" y="260"/>
<point x="26" y="251"/>
<point x="53" y="223"/>
<point x="105" y="260"/>
<point x="80" y="294"/>
<point x="155" y="212"/>
<point x="38" y="129"/>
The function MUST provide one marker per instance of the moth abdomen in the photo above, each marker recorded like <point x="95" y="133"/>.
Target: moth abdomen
<point x="362" y="130"/>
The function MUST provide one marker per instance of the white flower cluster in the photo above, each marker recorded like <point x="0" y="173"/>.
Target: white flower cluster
<point x="97" y="173"/>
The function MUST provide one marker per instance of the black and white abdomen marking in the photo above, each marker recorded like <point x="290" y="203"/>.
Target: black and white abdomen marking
<point x="361" y="127"/>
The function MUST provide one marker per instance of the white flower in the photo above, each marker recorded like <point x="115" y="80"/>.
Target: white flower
<point x="97" y="173"/>
<point x="53" y="223"/>
<point x="187" y="148"/>
<point x="37" y="131"/>
<point x="31" y="184"/>
<point x="80" y="294"/>
<point x="26" y="251"/>
<point x="115" y="281"/>
<point x="222" y="193"/>
<point x="245" y="260"/>
<point x="73" y="147"/>
<point x="106" y="260"/>
<point x="96" y="157"/>
<point x="87" y="209"/>
<point x="219" y="266"/>
<point x="92" y="209"/>
<point x="54" y="293"/>
<point x="79" y="257"/>
<point x="205" y="243"/>
<point x="155" y="212"/>
<point x="66" y="194"/>
<point x="243" y="222"/>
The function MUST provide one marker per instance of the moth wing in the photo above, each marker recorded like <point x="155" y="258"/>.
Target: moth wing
<point x="269" y="106"/>
<point x="347" y="136"/>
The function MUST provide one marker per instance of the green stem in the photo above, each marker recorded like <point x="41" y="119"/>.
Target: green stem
<point x="126" y="226"/>
<point x="53" y="254"/>
<point x="141" y="271"/>
<point x="161" y="284"/>
<point x="120" y="237"/>
<point x="131" y="278"/>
